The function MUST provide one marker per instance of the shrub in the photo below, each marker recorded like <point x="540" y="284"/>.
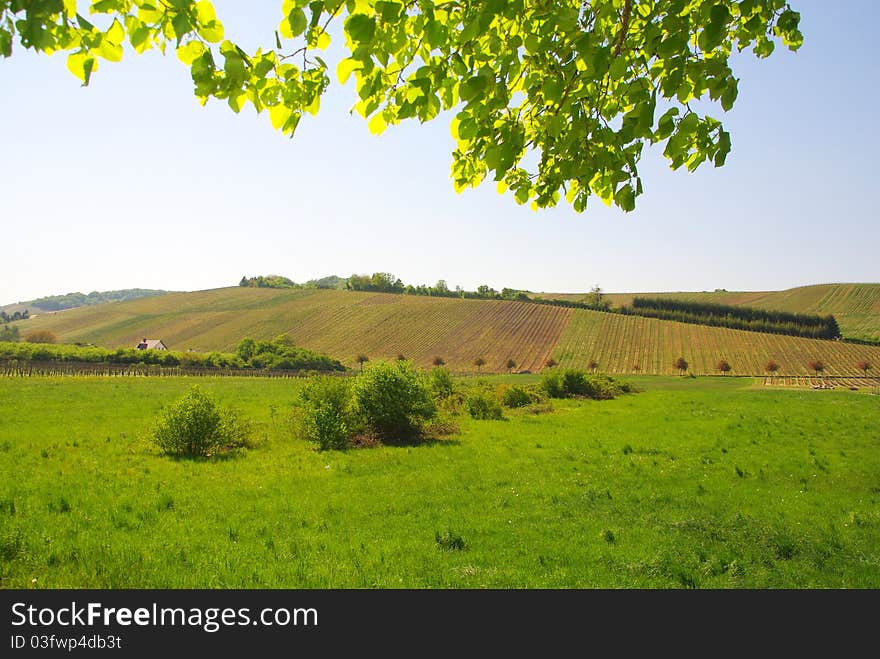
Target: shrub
<point x="8" y="333"/>
<point x="538" y="408"/>
<point x="573" y="383"/>
<point x="551" y="383"/>
<point x="440" y="428"/>
<point x="441" y="382"/>
<point x="450" y="541"/>
<point x="194" y="426"/>
<point x="324" y="414"/>
<point x="40" y="336"/>
<point x="393" y="400"/>
<point x="482" y="405"/>
<point x="604" y="387"/>
<point x="515" y="396"/>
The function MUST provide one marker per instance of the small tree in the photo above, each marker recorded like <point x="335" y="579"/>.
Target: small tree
<point x="246" y="349"/>
<point x="8" y="333"/>
<point x="864" y="366"/>
<point x="816" y="365"/>
<point x="361" y="360"/>
<point x="40" y="336"/>
<point x="681" y="365"/>
<point x="510" y="364"/>
<point x="592" y="365"/>
<point x="550" y="363"/>
<point x="324" y="415"/>
<point x="723" y="367"/>
<point x="636" y="368"/>
<point x="438" y="361"/>
<point x="394" y="400"/>
<point x="771" y="366"/>
<point x="442" y="384"/>
<point x="479" y="362"/>
<point x="195" y="426"/>
<point x="597" y="298"/>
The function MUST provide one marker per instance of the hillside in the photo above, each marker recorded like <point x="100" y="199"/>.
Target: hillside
<point x="856" y="306"/>
<point x="74" y="300"/>
<point x="345" y="324"/>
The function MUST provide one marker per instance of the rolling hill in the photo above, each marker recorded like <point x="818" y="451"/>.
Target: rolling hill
<point x="345" y="324"/>
<point x="856" y="306"/>
<point x="74" y="300"/>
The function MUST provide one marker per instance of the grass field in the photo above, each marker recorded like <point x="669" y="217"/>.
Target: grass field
<point x="707" y="482"/>
<point x="856" y="306"/>
<point x="347" y="324"/>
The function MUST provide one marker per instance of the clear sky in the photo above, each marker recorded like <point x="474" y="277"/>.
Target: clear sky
<point x="131" y="183"/>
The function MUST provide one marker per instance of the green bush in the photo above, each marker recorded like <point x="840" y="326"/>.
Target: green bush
<point x="514" y="396"/>
<point x="604" y="387"/>
<point x="551" y="383"/>
<point x="482" y="405"/>
<point x="573" y="383"/>
<point x="441" y="382"/>
<point x="195" y="427"/>
<point x="393" y="400"/>
<point x="324" y="414"/>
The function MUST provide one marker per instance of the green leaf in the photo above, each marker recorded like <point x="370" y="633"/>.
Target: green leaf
<point x="688" y="124"/>
<point x="83" y="23"/>
<point x="278" y="115"/>
<point x="139" y="38"/>
<point x="360" y="28"/>
<point x="237" y="101"/>
<point x="5" y="43"/>
<point x="321" y="39"/>
<point x="190" y="52"/>
<point x="82" y="65"/>
<point x="212" y="32"/>
<point x="294" y="25"/>
<point x="205" y="12"/>
<point x="181" y="25"/>
<point x="116" y="33"/>
<point x="390" y="12"/>
<point x="472" y="88"/>
<point x="110" y="51"/>
<point x="345" y="68"/>
<point x="625" y="198"/>
<point x="377" y="124"/>
<point x="723" y="149"/>
<point x="618" y="68"/>
<point x="315" y="105"/>
<point x="728" y="96"/>
<point x="666" y="124"/>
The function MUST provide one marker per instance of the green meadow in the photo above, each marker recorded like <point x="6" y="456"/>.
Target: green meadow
<point x="706" y="482"/>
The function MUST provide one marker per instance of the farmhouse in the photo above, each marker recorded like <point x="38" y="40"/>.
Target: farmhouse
<point x="151" y="344"/>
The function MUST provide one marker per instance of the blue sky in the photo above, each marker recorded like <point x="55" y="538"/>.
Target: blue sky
<point x="131" y="183"/>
